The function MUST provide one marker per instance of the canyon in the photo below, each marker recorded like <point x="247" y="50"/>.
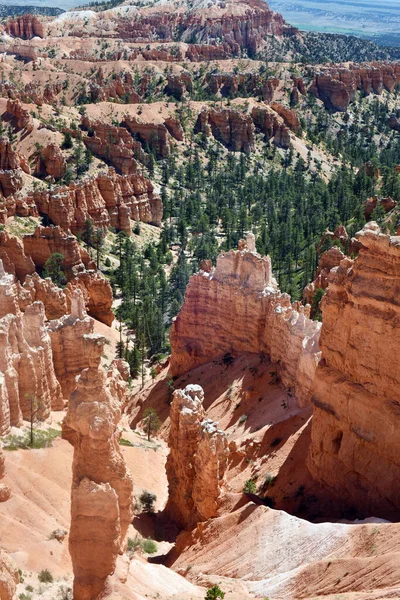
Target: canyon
<point x="185" y="404"/>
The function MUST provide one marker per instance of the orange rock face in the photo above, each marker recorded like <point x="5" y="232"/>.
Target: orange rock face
<point x="242" y="290"/>
<point x="26" y="361"/>
<point x="232" y="128"/>
<point x="9" y="577"/>
<point x="20" y="116"/>
<point x="45" y="241"/>
<point x="107" y="200"/>
<point x="328" y="260"/>
<point x="356" y="396"/>
<point x="290" y="117"/>
<point x="74" y="344"/>
<point x="51" y="162"/>
<point x="36" y="289"/>
<point x="267" y="122"/>
<point x="337" y="86"/>
<point x="25" y="27"/>
<point x="5" y="491"/>
<point x="197" y="460"/>
<point x="97" y="293"/>
<point x="13" y="256"/>
<point x="102" y="488"/>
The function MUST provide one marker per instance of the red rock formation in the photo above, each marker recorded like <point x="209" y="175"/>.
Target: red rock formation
<point x="45" y="241"/>
<point x="5" y="491"/>
<point x="153" y="134"/>
<point x="9" y="577"/>
<point x="289" y="116"/>
<point x="74" y="344"/>
<point x="102" y="488"/>
<point x="233" y="128"/>
<point x="97" y="293"/>
<point x="266" y="121"/>
<point x="26" y="363"/>
<point x="113" y="144"/>
<point x="36" y="289"/>
<point x="107" y="200"/>
<point x="197" y="460"/>
<point x="337" y="86"/>
<point x="179" y="84"/>
<point x="50" y="162"/>
<point x="25" y="27"/>
<point x="20" y="116"/>
<point x="13" y="256"/>
<point x="205" y="52"/>
<point x="175" y="128"/>
<point x="355" y="436"/>
<point x="241" y="290"/>
<point x="11" y="163"/>
<point x="387" y="204"/>
<point x="328" y="260"/>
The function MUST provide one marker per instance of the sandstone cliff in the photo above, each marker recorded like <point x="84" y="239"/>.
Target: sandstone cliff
<point x="26" y="361"/>
<point x="197" y="460"/>
<point x="102" y="489"/>
<point x="337" y="86"/>
<point x="233" y="128"/>
<point x="356" y="396"/>
<point x="107" y="200"/>
<point x="242" y="290"/>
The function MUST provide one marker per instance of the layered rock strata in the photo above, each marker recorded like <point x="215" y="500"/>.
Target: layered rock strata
<point x="102" y="488"/>
<point x="26" y="361"/>
<point x="108" y="200"/>
<point x="197" y="460"/>
<point x="233" y="128"/>
<point x="355" y="433"/>
<point x="242" y="290"/>
<point x="25" y="27"/>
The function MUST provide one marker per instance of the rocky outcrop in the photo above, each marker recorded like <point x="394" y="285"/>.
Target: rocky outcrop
<point x="289" y="116"/>
<point x="26" y="361"/>
<point x="36" y="289"/>
<point x="5" y="491"/>
<point x="45" y="241"/>
<point x="25" y="27"/>
<point x="108" y="200"/>
<point x="337" y="86"/>
<point x="175" y="128"/>
<point x="97" y="293"/>
<point x="197" y="460"/>
<point x="370" y="204"/>
<point x="355" y="433"/>
<point x="155" y="135"/>
<point x="242" y="290"/>
<point x="267" y="122"/>
<point x="9" y="577"/>
<point x="11" y="166"/>
<point x="328" y="260"/>
<point x="20" y="116"/>
<point x="13" y="256"/>
<point x="74" y="344"/>
<point x="113" y="144"/>
<point x="102" y="488"/>
<point x="233" y="128"/>
<point x="178" y="84"/>
<point x="50" y="162"/>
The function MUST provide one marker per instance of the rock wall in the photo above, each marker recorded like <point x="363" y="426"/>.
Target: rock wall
<point x="337" y="86"/>
<point x="5" y="491"/>
<point x="102" y="488"/>
<point x="9" y="577"/>
<point x="25" y="27"/>
<point x="239" y="308"/>
<point x="26" y="360"/>
<point x="355" y="429"/>
<point x="233" y="128"/>
<point x="107" y="200"/>
<point x="197" y="460"/>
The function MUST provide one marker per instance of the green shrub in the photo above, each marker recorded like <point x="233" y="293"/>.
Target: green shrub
<point x="214" y="592"/>
<point x="149" y="546"/>
<point x="250" y="487"/>
<point x="41" y="439"/>
<point x="147" y="500"/>
<point x="45" y="576"/>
